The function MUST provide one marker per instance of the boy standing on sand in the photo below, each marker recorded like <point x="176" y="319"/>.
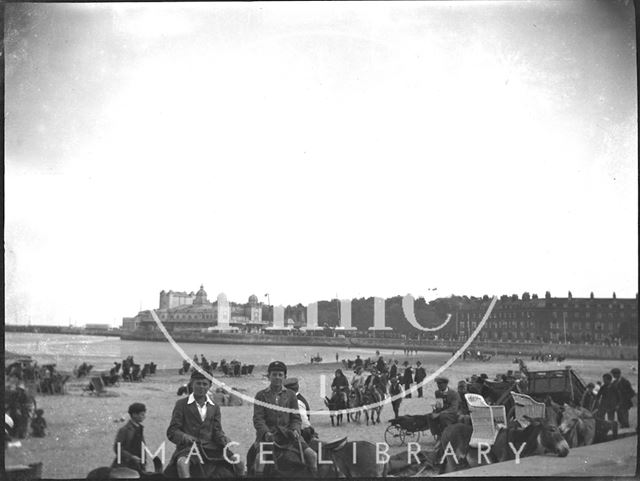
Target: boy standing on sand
<point x="129" y="440"/>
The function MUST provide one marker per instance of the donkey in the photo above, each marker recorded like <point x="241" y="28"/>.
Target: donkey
<point x="337" y="402"/>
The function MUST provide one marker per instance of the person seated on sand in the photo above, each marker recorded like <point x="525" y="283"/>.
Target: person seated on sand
<point x="307" y="431"/>
<point x="196" y="420"/>
<point x="38" y="425"/>
<point x="267" y="421"/>
<point x="446" y="408"/>
<point x="129" y="440"/>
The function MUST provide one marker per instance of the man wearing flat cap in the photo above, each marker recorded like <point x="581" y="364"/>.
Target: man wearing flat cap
<point x="446" y="409"/>
<point x="196" y="420"/>
<point x="267" y="421"/>
<point x="130" y="439"/>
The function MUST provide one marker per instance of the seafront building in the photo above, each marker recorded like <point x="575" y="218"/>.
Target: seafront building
<point x="526" y="318"/>
<point x="550" y="319"/>
<point x="180" y="311"/>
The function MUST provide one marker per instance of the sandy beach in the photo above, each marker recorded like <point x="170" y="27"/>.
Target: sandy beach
<point x="82" y="427"/>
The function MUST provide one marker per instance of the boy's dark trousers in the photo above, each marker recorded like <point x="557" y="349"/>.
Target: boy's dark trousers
<point x="396" y="407"/>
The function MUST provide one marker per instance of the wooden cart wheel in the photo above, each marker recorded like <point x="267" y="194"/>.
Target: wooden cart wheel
<point x="394" y="436"/>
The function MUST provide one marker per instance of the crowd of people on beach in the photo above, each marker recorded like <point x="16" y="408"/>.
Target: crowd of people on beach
<point x="196" y="418"/>
<point x="610" y="399"/>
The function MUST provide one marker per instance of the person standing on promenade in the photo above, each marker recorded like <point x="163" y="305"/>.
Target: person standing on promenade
<point x="419" y="376"/>
<point x="130" y="439"/>
<point x="625" y="394"/>
<point x="607" y="399"/>
<point x="407" y="378"/>
<point x="196" y="420"/>
<point x="267" y="421"/>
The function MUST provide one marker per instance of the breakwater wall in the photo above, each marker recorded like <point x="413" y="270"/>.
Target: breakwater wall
<point x="78" y="331"/>
<point x="576" y="351"/>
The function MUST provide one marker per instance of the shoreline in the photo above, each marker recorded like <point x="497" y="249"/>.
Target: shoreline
<point x="575" y="351"/>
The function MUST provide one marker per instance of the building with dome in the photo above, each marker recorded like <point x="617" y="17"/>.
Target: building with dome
<point x="181" y="311"/>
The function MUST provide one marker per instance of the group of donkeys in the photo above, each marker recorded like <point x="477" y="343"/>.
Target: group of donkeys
<point x="363" y="401"/>
<point x="562" y="428"/>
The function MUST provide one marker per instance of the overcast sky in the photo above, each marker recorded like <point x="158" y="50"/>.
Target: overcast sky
<point x="317" y="149"/>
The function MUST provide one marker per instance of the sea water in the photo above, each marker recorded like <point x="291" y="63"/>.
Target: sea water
<point x="68" y="351"/>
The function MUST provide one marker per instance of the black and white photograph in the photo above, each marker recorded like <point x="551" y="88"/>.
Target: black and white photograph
<point x="321" y="239"/>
